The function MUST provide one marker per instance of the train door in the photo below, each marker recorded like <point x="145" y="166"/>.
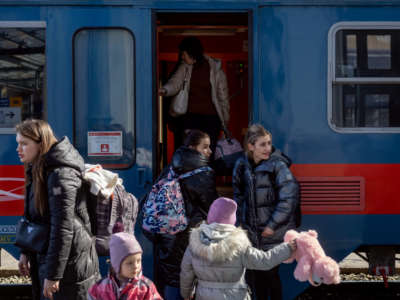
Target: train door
<point x="101" y="89"/>
<point x="79" y="69"/>
<point x="224" y="36"/>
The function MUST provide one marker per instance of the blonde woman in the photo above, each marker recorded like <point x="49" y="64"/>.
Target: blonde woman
<point x="267" y="196"/>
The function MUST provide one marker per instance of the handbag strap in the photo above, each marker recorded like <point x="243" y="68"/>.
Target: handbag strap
<point x="194" y="172"/>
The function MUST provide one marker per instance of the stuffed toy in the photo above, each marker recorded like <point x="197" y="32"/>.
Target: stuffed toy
<point x="312" y="263"/>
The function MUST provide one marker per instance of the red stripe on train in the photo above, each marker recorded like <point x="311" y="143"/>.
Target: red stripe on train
<point x="380" y="183"/>
<point x="11" y="190"/>
<point x="381" y="186"/>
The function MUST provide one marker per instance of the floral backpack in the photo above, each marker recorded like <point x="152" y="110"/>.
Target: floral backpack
<point x="164" y="209"/>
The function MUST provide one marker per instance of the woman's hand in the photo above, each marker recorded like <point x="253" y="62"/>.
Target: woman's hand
<point x="267" y="232"/>
<point x="162" y="92"/>
<point x="23" y="265"/>
<point x="50" y="287"/>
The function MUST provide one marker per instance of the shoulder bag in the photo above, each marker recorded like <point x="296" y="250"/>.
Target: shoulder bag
<point x="179" y="104"/>
<point x="32" y="237"/>
<point x="227" y="151"/>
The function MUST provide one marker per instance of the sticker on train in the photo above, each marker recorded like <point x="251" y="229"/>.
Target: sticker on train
<point x="105" y="143"/>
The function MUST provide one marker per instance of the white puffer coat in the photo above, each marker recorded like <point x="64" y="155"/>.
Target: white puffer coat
<point x="219" y="86"/>
<point x="217" y="257"/>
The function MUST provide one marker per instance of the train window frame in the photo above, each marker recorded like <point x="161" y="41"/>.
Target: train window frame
<point x="25" y="25"/>
<point x="109" y="163"/>
<point x="333" y="78"/>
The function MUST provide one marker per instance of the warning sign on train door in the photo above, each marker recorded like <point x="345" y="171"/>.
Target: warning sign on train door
<point x="105" y="143"/>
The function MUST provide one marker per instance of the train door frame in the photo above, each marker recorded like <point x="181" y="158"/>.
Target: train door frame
<point x="159" y="139"/>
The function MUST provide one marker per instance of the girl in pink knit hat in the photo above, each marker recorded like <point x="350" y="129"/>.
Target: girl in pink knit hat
<point x="125" y="281"/>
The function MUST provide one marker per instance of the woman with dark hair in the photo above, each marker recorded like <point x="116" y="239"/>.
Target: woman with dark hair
<point x="208" y="102"/>
<point x="68" y="266"/>
<point x="198" y="193"/>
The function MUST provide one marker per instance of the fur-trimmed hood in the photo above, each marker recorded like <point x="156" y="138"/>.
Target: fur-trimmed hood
<point x="218" y="242"/>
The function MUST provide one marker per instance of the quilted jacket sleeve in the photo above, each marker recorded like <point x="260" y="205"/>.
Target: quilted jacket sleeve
<point x="201" y="191"/>
<point x="256" y="259"/>
<point x="287" y="190"/>
<point x="238" y="191"/>
<point x="223" y="95"/>
<point x="63" y="185"/>
<point x="174" y="84"/>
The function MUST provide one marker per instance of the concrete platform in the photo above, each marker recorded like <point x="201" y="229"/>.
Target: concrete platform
<point x="8" y="264"/>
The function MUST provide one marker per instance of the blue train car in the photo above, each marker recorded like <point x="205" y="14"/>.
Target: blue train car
<point x="323" y="76"/>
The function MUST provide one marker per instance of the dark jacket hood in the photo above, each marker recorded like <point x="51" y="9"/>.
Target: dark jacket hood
<point x="64" y="154"/>
<point x="279" y="155"/>
<point x="186" y="159"/>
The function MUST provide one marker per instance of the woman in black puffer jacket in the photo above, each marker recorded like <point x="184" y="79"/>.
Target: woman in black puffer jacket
<point x="68" y="266"/>
<point x="267" y="196"/>
<point x="199" y="192"/>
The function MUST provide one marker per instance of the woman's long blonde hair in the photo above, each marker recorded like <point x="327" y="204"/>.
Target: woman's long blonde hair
<point x="40" y="132"/>
<point x="254" y="132"/>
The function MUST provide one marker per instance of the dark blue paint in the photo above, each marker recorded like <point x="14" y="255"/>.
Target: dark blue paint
<point x="211" y="3"/>
<point x="8" y="153"/>
<point x="7" y="235"/>
<point x="293" y="93"/>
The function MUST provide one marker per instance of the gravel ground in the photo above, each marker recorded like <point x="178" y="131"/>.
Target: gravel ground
<point x="367" y="277"/>
<point x="15" y="280"/>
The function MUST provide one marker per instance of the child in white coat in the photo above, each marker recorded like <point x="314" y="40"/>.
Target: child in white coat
<point x="219" y="253"/>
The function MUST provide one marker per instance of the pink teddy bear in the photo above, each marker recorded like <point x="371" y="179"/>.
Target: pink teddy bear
<point x="312" y="263"/>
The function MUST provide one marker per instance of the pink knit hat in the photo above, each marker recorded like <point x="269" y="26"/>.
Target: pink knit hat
<point x="122" y="244"/>
<point x="222" y="210"/>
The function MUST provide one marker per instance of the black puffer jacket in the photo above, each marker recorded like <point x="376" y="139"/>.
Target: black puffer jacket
<point x="198" y="192"/>
<point x="71" y="256"/>
<point x="267" y="195"/>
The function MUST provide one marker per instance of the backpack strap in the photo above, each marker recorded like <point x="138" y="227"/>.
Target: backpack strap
<point x="194" y="172"/>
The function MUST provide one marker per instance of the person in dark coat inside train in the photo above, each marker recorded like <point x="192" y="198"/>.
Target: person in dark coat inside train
<point x="198" y="191"/>
<point x="68" y="265"/>
<point x="267" y="196"/>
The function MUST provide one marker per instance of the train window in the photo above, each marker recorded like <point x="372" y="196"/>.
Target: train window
<point x="22" y="73"/>
<point x="379" y="51"/>
<point x="364" y="77"/>
<point x="104" y="102"/>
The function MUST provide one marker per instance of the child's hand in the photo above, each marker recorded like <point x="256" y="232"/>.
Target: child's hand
<point x="293" y="245"/>
<point x="267" y="232"/>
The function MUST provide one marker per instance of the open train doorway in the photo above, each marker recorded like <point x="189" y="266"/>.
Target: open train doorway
<point x="224" y="36"/>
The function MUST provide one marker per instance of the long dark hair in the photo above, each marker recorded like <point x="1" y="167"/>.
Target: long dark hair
<point x="193" y="47"/>
<point x="40" y="132"/>
<point x="193" y="137"/>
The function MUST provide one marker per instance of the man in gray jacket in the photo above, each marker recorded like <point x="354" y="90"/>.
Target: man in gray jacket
<point x="219" y="253"/>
